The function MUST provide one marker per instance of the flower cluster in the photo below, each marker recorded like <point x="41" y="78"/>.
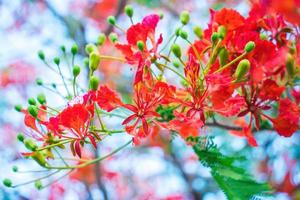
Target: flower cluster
<point x="244" y="70"/>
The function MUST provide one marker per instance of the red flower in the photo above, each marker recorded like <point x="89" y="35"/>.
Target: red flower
<point x="107" y="99"/>
<point x="229" y="18"/>
<point x="146" y="101"/>
<point x="287" y="121"/>
<point x="185" y="125"/>
<point x="75" y="118"/>
<point x="141" y="32"/>
<point x="258" y="99"/>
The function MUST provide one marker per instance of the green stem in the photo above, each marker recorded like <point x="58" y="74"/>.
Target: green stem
<point x="231" y="62"/>
<point x="94" y="160"/>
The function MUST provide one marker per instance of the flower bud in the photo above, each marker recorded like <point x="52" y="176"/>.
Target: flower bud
<point x="89" y="48"/>
<point x="175" y="48"/>
<point x="53" y="85"/>
<point x="113" y="37"/>
<point x="183" y="34"/>
<point x="94" y="61"/>
<point x="39" y="158"/>
<point x="129" y="10"/>
<point x="15" y="168"/>
<point x="198" y="32"/>
<point x="222" y="32"/>
<point x="39" y="81"/>
<point x="263" y="36"/>
<point x="56" y="60"/>
<point x="38" y="185"/>
<point x="177" y="31"/>
<point x="176" y="63"/>
<point x="242" y="69"/>
<point x="18" y="108"/>
<point x="41" y="98"/>
<point x="20" y="137"/>
<point x="41" y="55"/>
<point x="223" y="56"/>
<point x="33" y="111"/>
<point x="63" y="48"/>
<point x="111" y="20"/>
<point x="30" y="144"/>
<point x="184" y="17"/>
<point x="101" y="39"/>
<point x="214" y="37"/>
<point x="290" y="65"/>
<point x="249" y="46"/>
<point x="161" y="15"/>
<point x="74" y="49"/>
<point x="94" y="82"/>
<point x="140" y="45"/>
<point x="76" y="70"/>
<point x="86" y="61"/>
<point x="7" y="182"/>
<point x="31" y="101"/>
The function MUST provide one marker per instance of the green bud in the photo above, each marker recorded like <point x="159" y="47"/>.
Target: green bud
<point x="249" y="46"/>
<point x="214" y="37"/>
<point x="39" y="158"/>
<point x="41" y="55"/>
<point x="140" y="45"/>
<point x="53" y="85"/>
<point x="94" y="82"/>
<point x="94" y="61"/>
<point x="86" y="61"/>
<point x="263" y="36"/>
<point x="30" y="144"/>
<point x="63" y="48"/>
<point x="56" y="60"/>
<point x="129" y="10"/>
<point x="177" y="31"/>
<point x="290" y="65"/>
<point x="222" y="32"/>
<point x="161" y="15"/>
<point x="74" y="49"/>
<point x="184" y="17"/>
<point x="198" y="32"/>
<point x="18" y="108"/>
<point x="111" y="20"/>
<point x="223" y="56"/>
<point x="41" y="98"/>
<point x="183" y="34"/>
<point x="31" y="101"/>
<point x="7" y="182"/>
<point x="33" y="111"/>
<point x="15" y="168"/>
<point x="176" y="63"/>
<point x="113" y="37"/>
<point x="20" y="137"/>
<point x="175" y="48"/>
<point x="76" y="70"/>
<point x="39" y="81"/>
<point x="38" y="184"/>
<point x="242" y="69"/>
<point x="101" y="39"/>
<point x="89" y="48"/>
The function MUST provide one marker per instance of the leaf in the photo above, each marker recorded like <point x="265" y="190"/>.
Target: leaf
<point x="234" y="181"/>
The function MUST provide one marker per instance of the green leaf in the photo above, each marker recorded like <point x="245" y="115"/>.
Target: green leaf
<point x="234" y="181"/>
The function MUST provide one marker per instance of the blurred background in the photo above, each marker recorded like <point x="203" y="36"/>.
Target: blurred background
<point x="158" y="170"/>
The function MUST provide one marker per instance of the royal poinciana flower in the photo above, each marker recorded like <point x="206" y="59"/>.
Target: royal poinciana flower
<point x="146" y="101"/>
<point x="143" y="33"/>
